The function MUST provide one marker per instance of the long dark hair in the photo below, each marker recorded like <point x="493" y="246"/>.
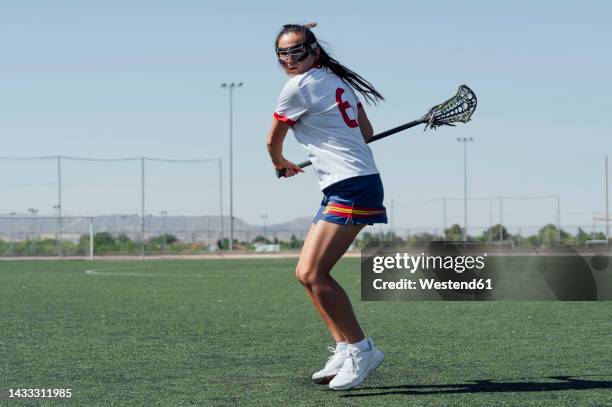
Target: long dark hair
<point x="325" y="60"/>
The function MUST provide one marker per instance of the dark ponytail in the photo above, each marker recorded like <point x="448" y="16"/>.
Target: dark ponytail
<point x="325" y="60"/>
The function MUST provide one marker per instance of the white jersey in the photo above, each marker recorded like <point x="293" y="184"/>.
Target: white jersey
<point x="322" y="111"/>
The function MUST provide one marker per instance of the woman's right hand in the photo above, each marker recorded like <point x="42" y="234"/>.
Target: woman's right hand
<point x="290" y="168"/>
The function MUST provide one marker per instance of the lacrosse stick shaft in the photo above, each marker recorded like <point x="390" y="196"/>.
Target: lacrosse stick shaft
<point x="396" y="130"/>
<point x="378" y="136"/>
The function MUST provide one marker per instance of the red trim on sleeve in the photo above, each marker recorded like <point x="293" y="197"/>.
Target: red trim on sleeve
<point x="284" y="119"/>
<point x="359" y="105"/>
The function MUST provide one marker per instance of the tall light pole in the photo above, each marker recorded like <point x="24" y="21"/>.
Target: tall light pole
<point x="230" y="87"/>
<point x="465" y="140"/>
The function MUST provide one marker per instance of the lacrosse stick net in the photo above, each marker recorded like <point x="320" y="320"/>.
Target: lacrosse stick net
<point x="459" y="108"/>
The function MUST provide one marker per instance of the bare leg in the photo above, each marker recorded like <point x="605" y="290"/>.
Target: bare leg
<point x="335" y="331"/>
<point x="324" y="246"/>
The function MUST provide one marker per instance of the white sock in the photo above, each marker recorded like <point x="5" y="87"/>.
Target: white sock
<point x="363" y="345"/>
<point x="341" y="345"/>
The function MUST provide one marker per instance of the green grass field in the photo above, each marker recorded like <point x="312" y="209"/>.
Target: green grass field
<point x="242" y="332"/>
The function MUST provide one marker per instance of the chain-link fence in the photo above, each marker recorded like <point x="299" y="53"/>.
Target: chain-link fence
<point x="34" y="235"/>
<point x="146" y="206"/>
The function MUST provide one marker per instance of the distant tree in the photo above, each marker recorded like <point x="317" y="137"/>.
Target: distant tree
<point x="534" y="240"/>
<point x="103" y="238"/>
<point x="164" y="239"/>
<point x="46" y="247"/>
<point x="421" y="238"/>
<point x="104" y="242"/>
<point x="492" y="233"/>
<point x="366" y="237"/>
<point x="391" y="236"/>
<point x="295" y="243"/>
<point x="83" y="244"/>
<point x="225" y="243"/>
<point x="454" y="233"/>
<point x="548" y="234"/>
<point x="123" y="238"/>
<point x="261" y="239"/>
<point x="582" y="236"/>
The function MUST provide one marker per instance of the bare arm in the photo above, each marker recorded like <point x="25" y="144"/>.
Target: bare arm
<point x="276" y="137"/>
<point x="364" y="124"/>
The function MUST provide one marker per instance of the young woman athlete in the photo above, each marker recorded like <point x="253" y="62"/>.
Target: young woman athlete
<point x="319" y="104"/>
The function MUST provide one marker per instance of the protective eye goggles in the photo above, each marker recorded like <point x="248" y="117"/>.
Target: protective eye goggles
<point x="297" y="53"/>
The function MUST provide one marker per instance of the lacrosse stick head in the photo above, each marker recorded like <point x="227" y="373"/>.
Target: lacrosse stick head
<point x="459" y="108"/>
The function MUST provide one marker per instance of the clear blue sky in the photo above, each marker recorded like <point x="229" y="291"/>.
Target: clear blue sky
<point x="115" y="79"/>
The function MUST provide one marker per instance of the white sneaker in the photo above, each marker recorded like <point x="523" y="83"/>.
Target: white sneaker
<point x="357" y="367"/>
<point x="333" y="365"/>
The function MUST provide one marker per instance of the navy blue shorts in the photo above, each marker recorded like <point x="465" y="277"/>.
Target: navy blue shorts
<point x="353" y="201"/>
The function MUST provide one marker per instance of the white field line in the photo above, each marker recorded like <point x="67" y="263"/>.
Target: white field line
<point x="108" y="272"/>
<point x="253" y="256"/>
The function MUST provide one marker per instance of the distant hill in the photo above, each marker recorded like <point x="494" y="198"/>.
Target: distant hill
<point x="188" y="228"/>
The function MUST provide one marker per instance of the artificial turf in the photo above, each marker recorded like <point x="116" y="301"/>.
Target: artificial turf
<point x="243" y="332"/>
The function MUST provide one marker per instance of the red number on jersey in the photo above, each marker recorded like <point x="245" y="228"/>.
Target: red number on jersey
<point x="342" y="106"/>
